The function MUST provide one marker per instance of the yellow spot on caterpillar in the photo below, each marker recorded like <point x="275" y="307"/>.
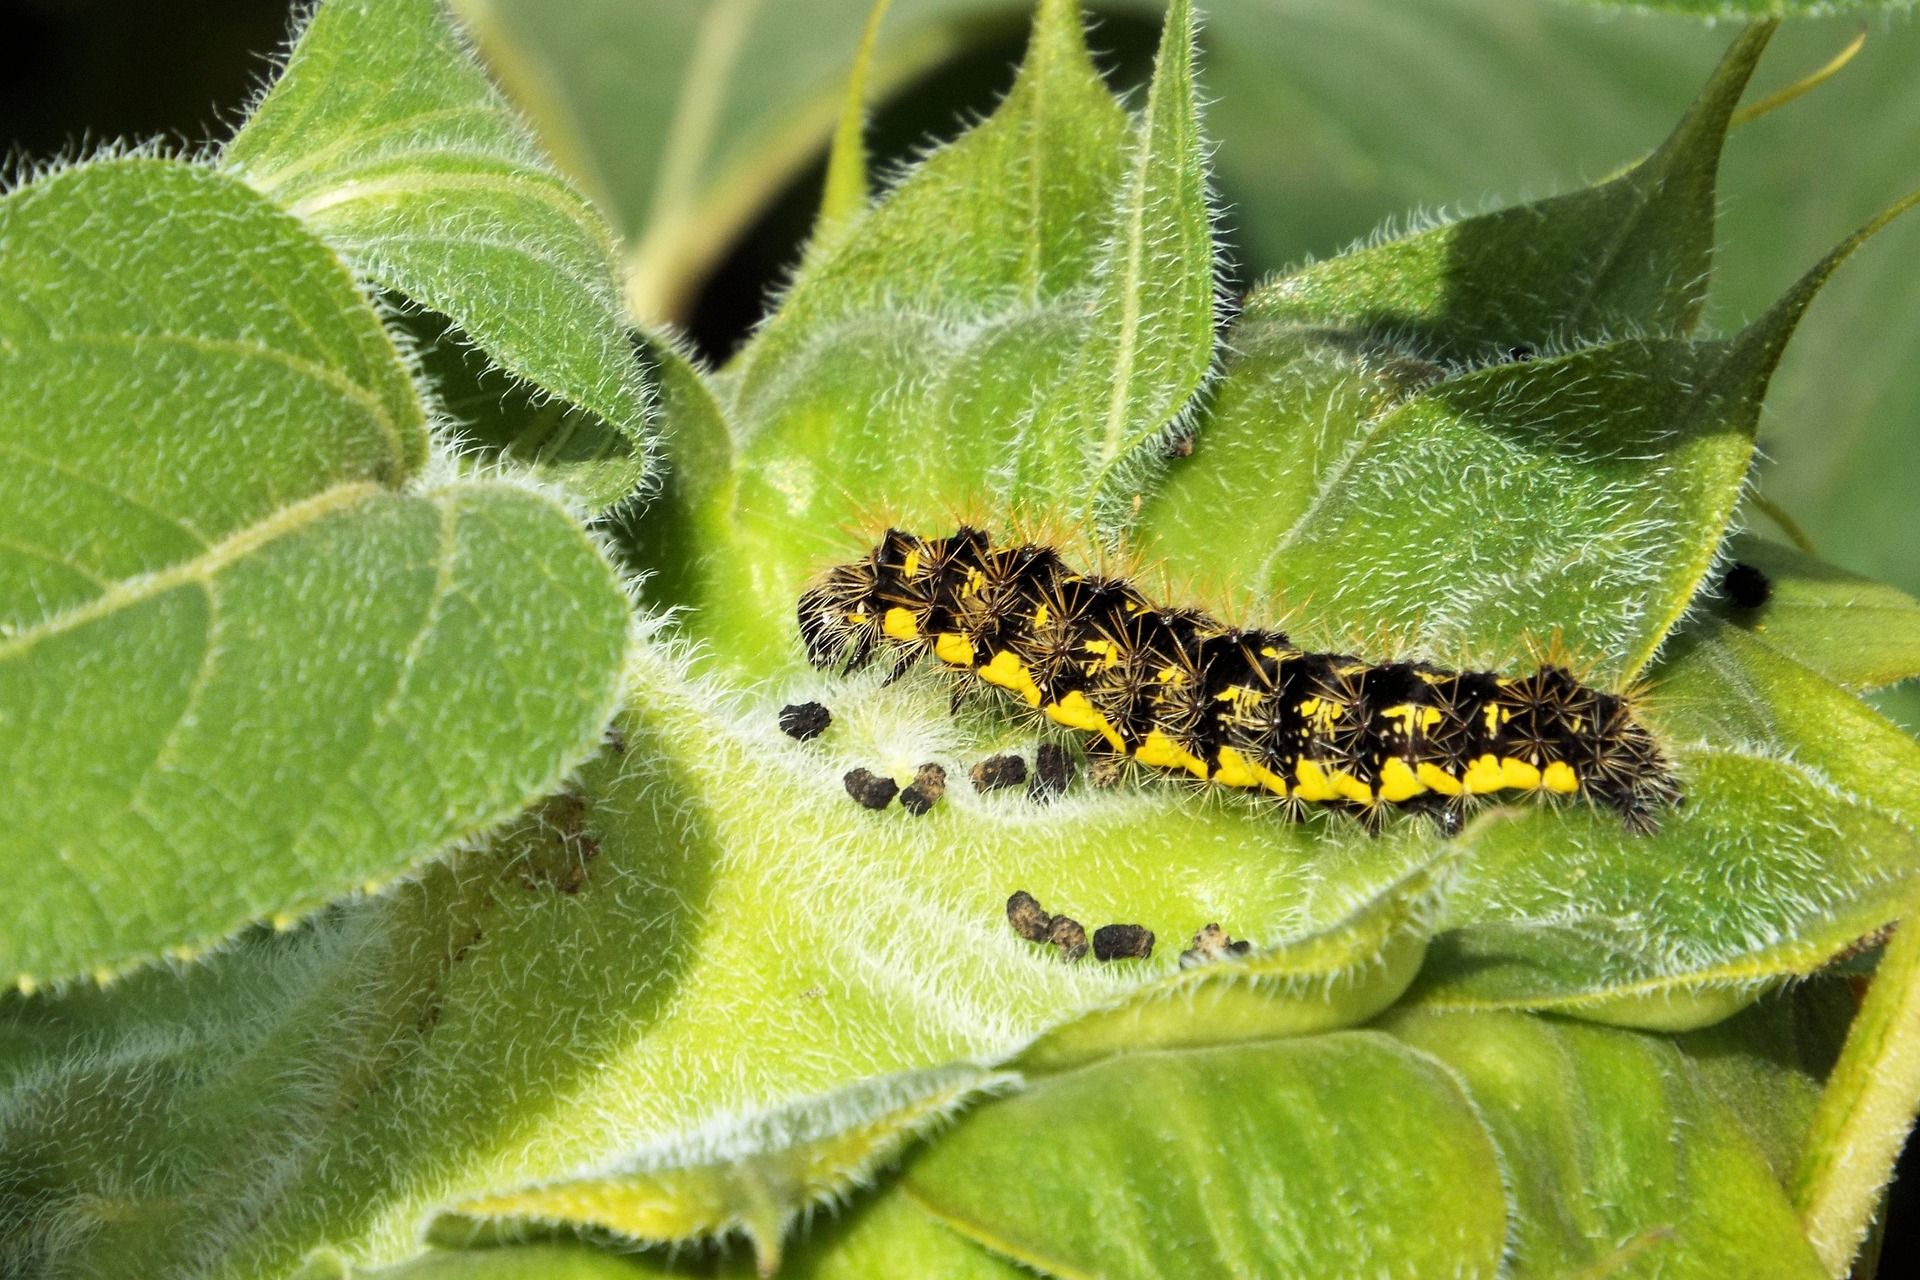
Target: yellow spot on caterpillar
<point x="1321" y="713"/>
<point x="1075" y="712"/>
<point x="1397" y="781"/>
<point x="1106" y="653"/>
<point x="953" y="649"/>
<point x="1313" y="781"/>
<point x="857" y="619"/>
<point x="1170" y="675"/>
<point x="976" y="582"/>
<point x="1351" y="788"/>
<point x="1439" y="779"/>
<point x="1518" y="773"/>
<point x="1008" y="672"/>
<point x="1234" y="770"/>
<point x="1559" y="776"/>
<point x="1237" y="771"/>
<point x="1483" y="775"/>
<point x="1492" y="713"/>
<point x="1405" y="713"/>
<point x="900" y="625"/>
<point x="912" y="564"/>
<point x="1162" y="752"/>
<point x="1041" y="613"/>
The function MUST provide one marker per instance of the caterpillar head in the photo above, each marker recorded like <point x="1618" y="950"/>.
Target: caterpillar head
<point x="1629" y="772"/>
<point x="840" y="616"/>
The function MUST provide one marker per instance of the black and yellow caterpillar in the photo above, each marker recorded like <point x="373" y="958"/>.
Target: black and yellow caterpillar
<point x="1177" y="689"/>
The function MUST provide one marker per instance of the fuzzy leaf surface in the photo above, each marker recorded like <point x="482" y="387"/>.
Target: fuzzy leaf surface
<point x="1478" y="516"/>
<point x="1004" y="330"/>
<point x="785" y="1163"/>
<point x="1295" y="1156"/>
<point x="1580" y="499"/>
<point x="638" y="963"/>
<point x="385" y="137"/>
<point x="242" y="668"/>
<point x="1619" y="1159"/>
<point x="1797" y="838"/>
<point x="543" y="1261"/>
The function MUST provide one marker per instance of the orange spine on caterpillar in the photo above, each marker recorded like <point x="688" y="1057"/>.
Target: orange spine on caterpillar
<point x="1176" y="689"/>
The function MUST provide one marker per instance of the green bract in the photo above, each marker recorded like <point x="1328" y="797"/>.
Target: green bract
<point x="394" y="896"/>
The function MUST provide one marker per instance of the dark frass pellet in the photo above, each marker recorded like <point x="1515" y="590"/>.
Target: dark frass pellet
<point x="1122" y="942"/>
<point x="1069" y="936"/>
<point x="1052" y="770"/>
<point x="928" y="785"/>
<point x="870" y="789"/>
<point x="997" y="772"/>
<point x="1212" y="943"/>
<point x="805" y="720"/>
<point x="1028" y="918"/>
<point x="1747" y="586"/>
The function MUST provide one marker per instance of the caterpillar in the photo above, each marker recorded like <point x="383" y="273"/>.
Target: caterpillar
<point x="1178" y="690"/>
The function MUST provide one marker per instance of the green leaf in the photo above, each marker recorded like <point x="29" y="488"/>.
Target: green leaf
<point x="545" y="1261"/>
<point x="385" y="137"/>
<point x="845" y="192"/>
<point x="1797" y="838"/>
<point x="241" y="669"/>
<point x="1767" y="1062"/>
<point x="997" y="333"/>
<point x="1477" y="518"/>
<point x="1580" y="498"/>
<point x="1867" y="1110"/>
<point x="783" y="1163"/>
<point x="1619" y="1160"/>
<point x="667" y="540"/>
<point x="1390" y="105"/>
<point x="1859" y="633"/>
<point x="889" y="1235"/>
<point x="1631" y="254"/>
<point x="1305" y="1156"/>
<point x="1336" y="977"/>
<point x="1150" y="338"/>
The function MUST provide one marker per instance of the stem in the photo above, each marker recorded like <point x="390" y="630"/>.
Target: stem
<point x="1865" y="1110"/>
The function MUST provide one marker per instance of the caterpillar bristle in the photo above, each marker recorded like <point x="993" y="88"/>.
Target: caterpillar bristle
<point x="1176" y="689"/>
